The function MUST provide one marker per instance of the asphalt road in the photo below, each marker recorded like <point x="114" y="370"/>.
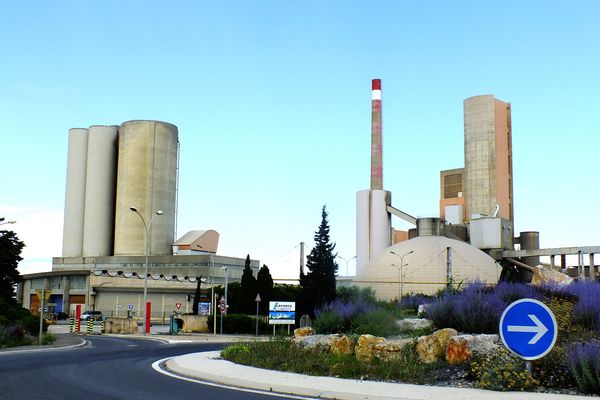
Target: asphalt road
<point x="108" y="368"/>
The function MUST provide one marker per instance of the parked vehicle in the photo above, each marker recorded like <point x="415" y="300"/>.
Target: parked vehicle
<point x="91" y="315"/>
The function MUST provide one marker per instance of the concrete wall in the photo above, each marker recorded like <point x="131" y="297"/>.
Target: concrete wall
<point x="146" y="179"/>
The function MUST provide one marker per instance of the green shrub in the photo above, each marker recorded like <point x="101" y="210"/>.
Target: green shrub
<point x="329" y="322"/>
<point x="48" y="338"/>
<point x="377" y="323"/>
<point x="31" y="323"/>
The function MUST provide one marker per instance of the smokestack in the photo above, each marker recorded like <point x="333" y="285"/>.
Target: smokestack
<point x="376" y="147"/>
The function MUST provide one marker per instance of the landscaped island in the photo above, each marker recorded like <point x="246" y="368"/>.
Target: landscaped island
<point x="455" y="344"/>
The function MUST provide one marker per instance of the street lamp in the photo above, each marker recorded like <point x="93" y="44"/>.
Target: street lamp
<point x="224" y="268"/>
<point x="347" y="262"/>
<point x="146" y="233"/>
<point x="401" y="293"/>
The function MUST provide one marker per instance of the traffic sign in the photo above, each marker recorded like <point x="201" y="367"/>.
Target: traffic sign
<point x="528" y="329"/>
<point x="130" y="307"/>
<point x="178" y="305"/>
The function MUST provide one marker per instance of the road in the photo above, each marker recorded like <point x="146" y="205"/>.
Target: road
<point x="107" y="368"/>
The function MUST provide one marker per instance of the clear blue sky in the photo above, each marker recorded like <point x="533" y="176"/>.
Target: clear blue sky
<point x="272" y="101"/>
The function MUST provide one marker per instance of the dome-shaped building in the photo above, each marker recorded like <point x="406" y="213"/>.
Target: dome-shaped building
<point x="425" y="265"/>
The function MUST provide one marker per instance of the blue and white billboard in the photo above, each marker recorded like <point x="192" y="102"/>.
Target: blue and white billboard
<point x="282" y="313"/>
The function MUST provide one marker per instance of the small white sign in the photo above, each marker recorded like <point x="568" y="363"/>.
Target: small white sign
<point x="130" y="307"/>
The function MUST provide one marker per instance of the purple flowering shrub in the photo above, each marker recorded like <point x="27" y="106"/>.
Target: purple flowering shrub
<point x="587" y="309"/>
<point x="413" y="301"/>
<point x="337" y="316"/>
<point x="584" y="362"/>
<point x="478" y="307"/>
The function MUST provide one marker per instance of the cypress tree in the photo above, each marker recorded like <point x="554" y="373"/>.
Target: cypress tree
<point x="265" y="289"/>
<point x="248" y="289"/>
<point x="318" y="284"/>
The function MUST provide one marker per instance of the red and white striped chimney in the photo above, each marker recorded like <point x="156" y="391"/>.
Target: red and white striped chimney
<point x="376" y="140"/>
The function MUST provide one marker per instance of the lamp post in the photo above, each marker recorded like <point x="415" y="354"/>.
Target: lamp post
<point x="224" y="268"/>
<point x="146" y="233"/>
<point x="347" y="262"/>
<point x="401" y="293"/>
<point x="2" y="222"/>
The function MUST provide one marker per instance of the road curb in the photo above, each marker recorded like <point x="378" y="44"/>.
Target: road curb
<point x="209" y="367"/>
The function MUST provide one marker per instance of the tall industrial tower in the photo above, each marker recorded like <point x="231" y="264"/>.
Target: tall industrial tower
<point x="373" y="221"/>
<point x="488" y="157"/>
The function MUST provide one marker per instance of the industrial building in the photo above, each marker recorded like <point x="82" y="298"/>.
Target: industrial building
<point x="474" y="238"/>
<point x="120" y="218"/>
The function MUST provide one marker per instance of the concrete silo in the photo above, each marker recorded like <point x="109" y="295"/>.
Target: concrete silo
<point x="75" y="193"/>
<point x="146" y="179"/>
<point x="99" y="220"/>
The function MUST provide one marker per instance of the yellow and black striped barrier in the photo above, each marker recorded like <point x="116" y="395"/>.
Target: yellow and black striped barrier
<point x="90" y="326"/>
<point x="71" y="324"/>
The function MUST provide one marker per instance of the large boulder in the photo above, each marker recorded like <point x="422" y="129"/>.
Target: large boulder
<point x="314" y="341"/>
<point x="460" y="348"/>
<point x="432" y="347"/>
<point x="342" y="345"/>
<point x="390" y="348"/>
<point x="364" y="348"/>
<point x="414" y="324"/>
<point x="306" y="331"/>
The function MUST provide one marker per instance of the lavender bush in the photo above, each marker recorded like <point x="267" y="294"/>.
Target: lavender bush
<point x="337" y="316"/>
<point x="587" y="309"/>
<point x="584" y="362"/>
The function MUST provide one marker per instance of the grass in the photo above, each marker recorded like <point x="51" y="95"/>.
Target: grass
<point x="281" y="355"/>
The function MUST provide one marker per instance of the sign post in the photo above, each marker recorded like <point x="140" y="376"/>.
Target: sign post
<point x="257" y="300"/>
<point x="528" y="329"/>
<point x="282" y="313"/>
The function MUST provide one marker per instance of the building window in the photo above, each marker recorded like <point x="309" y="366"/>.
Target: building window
<point x="37" y="283"/>
<point x="77" y="282"/>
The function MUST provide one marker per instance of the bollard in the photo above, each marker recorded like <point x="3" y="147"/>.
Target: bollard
<point x="102" y="330"/>
<point x="90" y="326"/>
<point x="71" y="324"/>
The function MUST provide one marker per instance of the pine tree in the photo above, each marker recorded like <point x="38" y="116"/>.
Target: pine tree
<point x="265" y="289"/>
<point x="318" y="285"/>
<point x="248" y="289"/>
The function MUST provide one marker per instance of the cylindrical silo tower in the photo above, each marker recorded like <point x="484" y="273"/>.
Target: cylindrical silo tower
<point x="99" y="219"/>
<point x="75" y="193"/>
<point x="146" y="179"/>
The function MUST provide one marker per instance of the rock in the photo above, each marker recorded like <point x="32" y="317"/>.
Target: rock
<point x="314" y="341"/>
<point x="307" y="331"/>
<point x="390" y="349"/>
<point x="414" y="324"/>
<point x="545" y="276"/>
<point x="422" y="309"/>
<point x="460" y="348"/>
<point x="432" y="347"/>
<point x="364" y="348"/>
<point x="342" y="345"/>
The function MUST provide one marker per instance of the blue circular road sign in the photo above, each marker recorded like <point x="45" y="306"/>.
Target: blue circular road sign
<point x="528" y="328"/>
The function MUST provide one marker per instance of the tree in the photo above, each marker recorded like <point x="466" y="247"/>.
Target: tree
<point x="318" y="285"/>
<point x="248" y="289"/>
<point x="264" y="283"/>
<point x="10" y="255"/>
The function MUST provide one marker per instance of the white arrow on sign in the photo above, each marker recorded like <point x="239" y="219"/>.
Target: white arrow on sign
<point x="539" y="329"/>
